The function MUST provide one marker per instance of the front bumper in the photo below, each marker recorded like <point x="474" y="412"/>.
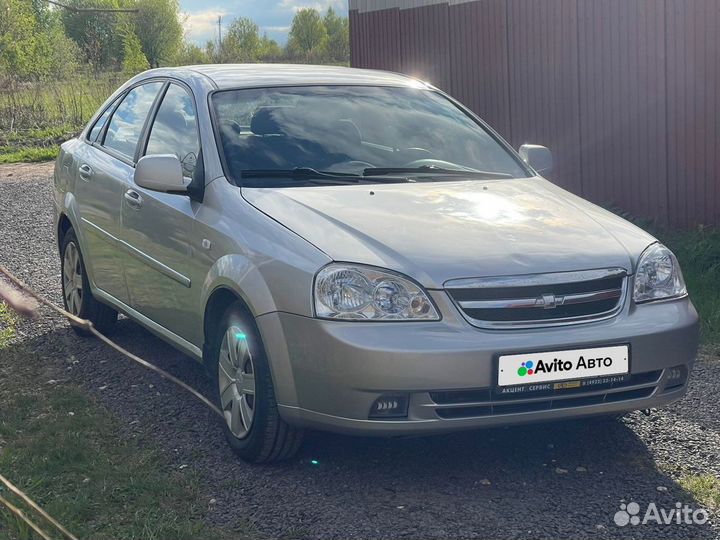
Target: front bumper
<point x="327" y="374"/>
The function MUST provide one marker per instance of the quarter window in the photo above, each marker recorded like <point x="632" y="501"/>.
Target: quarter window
<point x="175" y="129"/>
<point x="100" y="123"/>
<point x="126" y="124"/>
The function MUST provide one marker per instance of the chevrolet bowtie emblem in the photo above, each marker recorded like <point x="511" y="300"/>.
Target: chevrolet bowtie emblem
<point x="549" y="301"/>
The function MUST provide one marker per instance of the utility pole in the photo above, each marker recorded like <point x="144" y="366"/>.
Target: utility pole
<point x="219" y="34"/>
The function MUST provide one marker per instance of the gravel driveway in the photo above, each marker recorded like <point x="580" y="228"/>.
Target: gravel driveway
<point x="551" y="481"/>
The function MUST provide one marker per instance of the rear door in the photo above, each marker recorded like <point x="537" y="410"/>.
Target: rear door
<point x="105" y="166"/>
<point x="158" y="226"/>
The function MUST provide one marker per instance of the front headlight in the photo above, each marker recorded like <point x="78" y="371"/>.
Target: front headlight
<point x="658" y="276"/>
<point x="351" y="291"/>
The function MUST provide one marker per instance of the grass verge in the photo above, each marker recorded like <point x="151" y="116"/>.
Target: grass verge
<point x="705" y="488"/>
<point x="34" y="145"/>
<point x="32" y="154"/>
<point x="7" y="325"/>
<point x="698" y="252"/>
<point x="67" y="452"/>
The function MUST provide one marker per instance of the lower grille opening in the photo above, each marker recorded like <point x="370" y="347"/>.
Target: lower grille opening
<point x="464" y="412"/>
<point x="482" y="402"/>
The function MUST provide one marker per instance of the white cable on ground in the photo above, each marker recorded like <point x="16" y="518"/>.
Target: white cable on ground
<point x="32" y="504"/>
<point x="21" y="515"/>
<point x="87" y="325"/>
<point x="26" y="309"/>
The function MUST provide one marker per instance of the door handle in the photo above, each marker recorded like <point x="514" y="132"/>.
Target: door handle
<point x="134" y="199"/>
<point x="85" y="171"/>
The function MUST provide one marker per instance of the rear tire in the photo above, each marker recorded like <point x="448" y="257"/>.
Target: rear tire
<point x="77" y="296"/>
<point x="244" y="392"/>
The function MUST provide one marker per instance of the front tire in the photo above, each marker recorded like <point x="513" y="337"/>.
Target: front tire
<point x="77" y="296"/>
<point x="245" y="394"/>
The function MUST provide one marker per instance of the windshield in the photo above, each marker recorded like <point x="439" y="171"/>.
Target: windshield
<point x="353" y="130"/>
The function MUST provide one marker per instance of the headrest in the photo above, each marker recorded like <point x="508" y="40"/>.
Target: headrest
<point x="266" y="121"/>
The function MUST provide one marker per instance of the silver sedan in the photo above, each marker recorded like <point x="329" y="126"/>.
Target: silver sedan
<point x="355" y="251"/>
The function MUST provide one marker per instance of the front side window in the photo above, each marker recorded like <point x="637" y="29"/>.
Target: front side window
<point x="354" y="130"/>
<point x="175" y="129"/>
<point x="127" y="122"/>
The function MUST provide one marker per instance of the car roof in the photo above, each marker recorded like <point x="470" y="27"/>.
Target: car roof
<point x="226" y="76"/>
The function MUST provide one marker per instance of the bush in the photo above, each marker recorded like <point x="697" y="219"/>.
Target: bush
<point x="54" y="103"/>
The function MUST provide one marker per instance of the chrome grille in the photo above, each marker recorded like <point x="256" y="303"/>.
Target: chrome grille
<point x="537" y="300"/>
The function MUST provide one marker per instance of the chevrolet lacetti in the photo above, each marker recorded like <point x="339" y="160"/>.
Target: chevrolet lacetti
<point x="356" y="251"/>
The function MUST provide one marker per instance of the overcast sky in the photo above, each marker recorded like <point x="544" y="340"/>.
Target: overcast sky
<point x="272" y="16"/>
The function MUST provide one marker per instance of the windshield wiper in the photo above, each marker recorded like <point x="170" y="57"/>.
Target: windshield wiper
<point x="300" y="173"/>
<point x="430" y="169"/>
<point x="313" y="175"/>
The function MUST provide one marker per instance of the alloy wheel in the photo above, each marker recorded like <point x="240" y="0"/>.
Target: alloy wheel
<point x="236" y="381"/>
<point x="72" y="279"/>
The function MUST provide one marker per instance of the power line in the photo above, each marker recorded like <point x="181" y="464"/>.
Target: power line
<point x="92" y="10"/>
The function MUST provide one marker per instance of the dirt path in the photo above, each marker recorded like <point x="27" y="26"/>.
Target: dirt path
<point x="26" y="171"/>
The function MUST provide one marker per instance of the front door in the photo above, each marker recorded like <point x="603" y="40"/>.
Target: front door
<point x="158" y="227"/>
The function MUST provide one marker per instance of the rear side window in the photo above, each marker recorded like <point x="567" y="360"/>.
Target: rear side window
<point x="175" y="129"/>
<point x="126" y="124"/>
<point x="100" y="123"/>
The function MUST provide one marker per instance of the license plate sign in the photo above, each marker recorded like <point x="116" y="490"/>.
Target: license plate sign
<point x="529" y="368"/>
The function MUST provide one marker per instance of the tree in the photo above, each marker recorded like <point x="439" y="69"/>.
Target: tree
<point x="63" y="53"/>
<point x="17" y="28"/>
<point x="33" y="44"/>
<point x="191" y="54"/>
<point x="95" y="33"/>
<point x="44" y="17"/>
<point x="308" y="36"/>
<point x="211" y="51"/>
<point x="134" y="60"/>
<point x="270" y="51"/>
<point x="242" y="42"/>
<point x="338" y="31"/>
<point x="159" y="28"/>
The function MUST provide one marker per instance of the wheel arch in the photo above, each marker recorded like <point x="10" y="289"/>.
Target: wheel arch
<point x="63" y="226"/>
<point x="67" y="217"/>
<point x="217" y="303"/>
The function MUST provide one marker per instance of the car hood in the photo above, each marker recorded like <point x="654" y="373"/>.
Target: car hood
<point x="437" y="231"/>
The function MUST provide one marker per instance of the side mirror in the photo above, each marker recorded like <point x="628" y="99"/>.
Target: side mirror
<point x="160" y="172"/>
<point x="538" y="157"/>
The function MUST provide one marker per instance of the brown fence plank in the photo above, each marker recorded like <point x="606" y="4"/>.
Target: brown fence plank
<point x="479" y="60"/>
<point x="693" y="71"/>
<point x="543" y="67"/>
<point x="425" y="44"/>
<point x="622" y="103"/>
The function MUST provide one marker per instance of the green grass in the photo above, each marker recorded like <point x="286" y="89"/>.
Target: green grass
<point x="35" y="118"/>
<point x="698" y="252"/>
<point x="33" y="145"/>
<point x="53" y="104"/>
<point x="68" y="453"/>
<point x="7" y="325"/>
<point x="705" y="488"/>
<point x="30" y="154"/>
